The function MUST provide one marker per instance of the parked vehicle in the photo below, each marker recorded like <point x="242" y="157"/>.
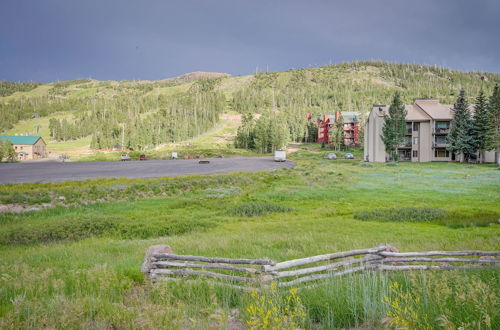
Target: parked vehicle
<point x="124" y="157"/>
<point x="349" y="156"/>
<point x="331" y="156"/>
<point x="280" y="156"/>
<point x="142" y="157"/>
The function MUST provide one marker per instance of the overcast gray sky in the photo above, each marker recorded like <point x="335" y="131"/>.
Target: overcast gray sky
<point x="47" y="40"/>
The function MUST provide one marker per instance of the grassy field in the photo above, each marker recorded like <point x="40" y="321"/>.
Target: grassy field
<point x="77" y="264"/>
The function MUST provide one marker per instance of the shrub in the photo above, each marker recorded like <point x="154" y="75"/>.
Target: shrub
<point x="73" y="229"/>
<point x="458" y="219"/>
<point x="70" y="230"/>
<point x="271" y="310"/>
<point x="257" y="208"/>
<point x="391" y="164"/>
<point x="402" y="214"/>
<point x="454" y="219"/>
<point x="14" y="198"/>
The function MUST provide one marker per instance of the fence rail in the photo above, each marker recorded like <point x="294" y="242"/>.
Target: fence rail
<point x="261" y="272"/>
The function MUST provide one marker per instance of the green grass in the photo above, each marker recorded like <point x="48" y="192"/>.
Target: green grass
<point x="78" y="266"/>
<point x="257" y="208"/>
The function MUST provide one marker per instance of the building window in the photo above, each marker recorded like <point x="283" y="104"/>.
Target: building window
<point x="441" y="153"/>
<point x="415" y="140"/>
<point x="443" y="124"/>
<point x="415" y="153"/>
<point x="441" y="139"/>
<point x="408" y="128"/>
<point x="416" y="127"/>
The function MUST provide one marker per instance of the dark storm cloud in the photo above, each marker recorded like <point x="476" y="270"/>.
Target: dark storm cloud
<point x="152" y="39"/>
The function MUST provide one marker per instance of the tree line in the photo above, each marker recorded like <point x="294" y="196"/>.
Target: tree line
<point x="144" y="114"/>
<point x="289" y="96"/>
<point x="8" y="87"/>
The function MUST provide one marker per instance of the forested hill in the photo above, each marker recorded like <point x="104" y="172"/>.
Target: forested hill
<point x="148" y="113"/>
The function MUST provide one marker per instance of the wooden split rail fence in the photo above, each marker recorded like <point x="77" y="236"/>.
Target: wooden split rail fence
<point x="247" y="273"/>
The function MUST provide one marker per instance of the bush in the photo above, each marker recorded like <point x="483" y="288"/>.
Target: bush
<point x="410" y="214"/>
<point x="454" y="219"/>
<point x="74" y="229"/>
<point x="253" y="209"/>
<point x="391" y="164"/>
<point x="271" y="309"/>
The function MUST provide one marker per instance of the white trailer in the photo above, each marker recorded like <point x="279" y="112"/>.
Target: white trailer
<point x="280" y="156"/>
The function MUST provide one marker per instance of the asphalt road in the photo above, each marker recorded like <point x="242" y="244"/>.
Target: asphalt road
<point x="52" y="171"/>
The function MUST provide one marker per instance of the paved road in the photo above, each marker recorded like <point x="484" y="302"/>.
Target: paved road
<point x="56" y="171"/>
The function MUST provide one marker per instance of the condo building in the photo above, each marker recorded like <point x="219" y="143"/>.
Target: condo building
<point x="428" y="124"/>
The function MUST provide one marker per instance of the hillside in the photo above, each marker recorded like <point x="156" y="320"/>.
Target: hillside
<point x="146" y="114"/>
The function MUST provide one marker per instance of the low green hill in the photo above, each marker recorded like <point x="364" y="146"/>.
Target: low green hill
<point x="145" y="114"/>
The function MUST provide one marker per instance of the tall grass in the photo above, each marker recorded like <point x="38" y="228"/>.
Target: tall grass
<point x="93" y="280"/>
<point x="453" y="219"/>
<point x="257" y="208"/>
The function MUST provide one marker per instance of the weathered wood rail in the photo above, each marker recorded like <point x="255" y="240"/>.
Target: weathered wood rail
<point x="261" y="272"/>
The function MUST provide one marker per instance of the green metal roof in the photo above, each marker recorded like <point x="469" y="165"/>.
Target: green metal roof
<point x="20" y="139"/>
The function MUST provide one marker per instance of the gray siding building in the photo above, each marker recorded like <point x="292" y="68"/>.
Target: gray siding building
<point x="428" y="124"/>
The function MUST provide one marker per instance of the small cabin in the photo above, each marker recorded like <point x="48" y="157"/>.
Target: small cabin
<point x="27" y="147"/>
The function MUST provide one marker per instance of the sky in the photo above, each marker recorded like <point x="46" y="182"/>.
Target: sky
<point x="51" y="40"/>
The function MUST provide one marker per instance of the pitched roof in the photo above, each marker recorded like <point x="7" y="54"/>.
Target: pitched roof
<point x="20" y="139"/>
<point x="415" y="113"/>
<point x="422" y="110"/>
<point x="435" y="109"/>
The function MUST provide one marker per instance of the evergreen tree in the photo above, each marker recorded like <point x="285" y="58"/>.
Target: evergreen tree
<point x="312" y="131"/>
<point x="482" y="127"/>
<point x="245" y="135"/>
<point x="337" y="138"/>
<point x="394" y="129"/>
<point x="494" y="109"/>
<point x="460" y="137"/>
<point x="262" y="137"/>
<point x="1" y="149"/>
<point x="9" y="151"/>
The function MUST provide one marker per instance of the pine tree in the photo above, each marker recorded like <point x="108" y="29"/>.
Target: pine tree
<point x="482" y="131"/>
<point x="312" y="130"/>
<point x="337" y="138"/>
<point x="10" y="153"/>
<point x="245" y="136"/>
<point x="262" y="138"/>
<point x="460" y="137"/>
<point x="494" y="109"/>
<point x="394" y="129"/>
<point x="1" y="150"/>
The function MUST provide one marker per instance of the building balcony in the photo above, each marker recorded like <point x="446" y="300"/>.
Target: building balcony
<point x="440" y="144"/>
<point x="441" y="131"/>
<point x="405" y="145"/>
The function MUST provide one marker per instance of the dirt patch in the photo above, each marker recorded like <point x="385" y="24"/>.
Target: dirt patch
<point x="19" y="208"/>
